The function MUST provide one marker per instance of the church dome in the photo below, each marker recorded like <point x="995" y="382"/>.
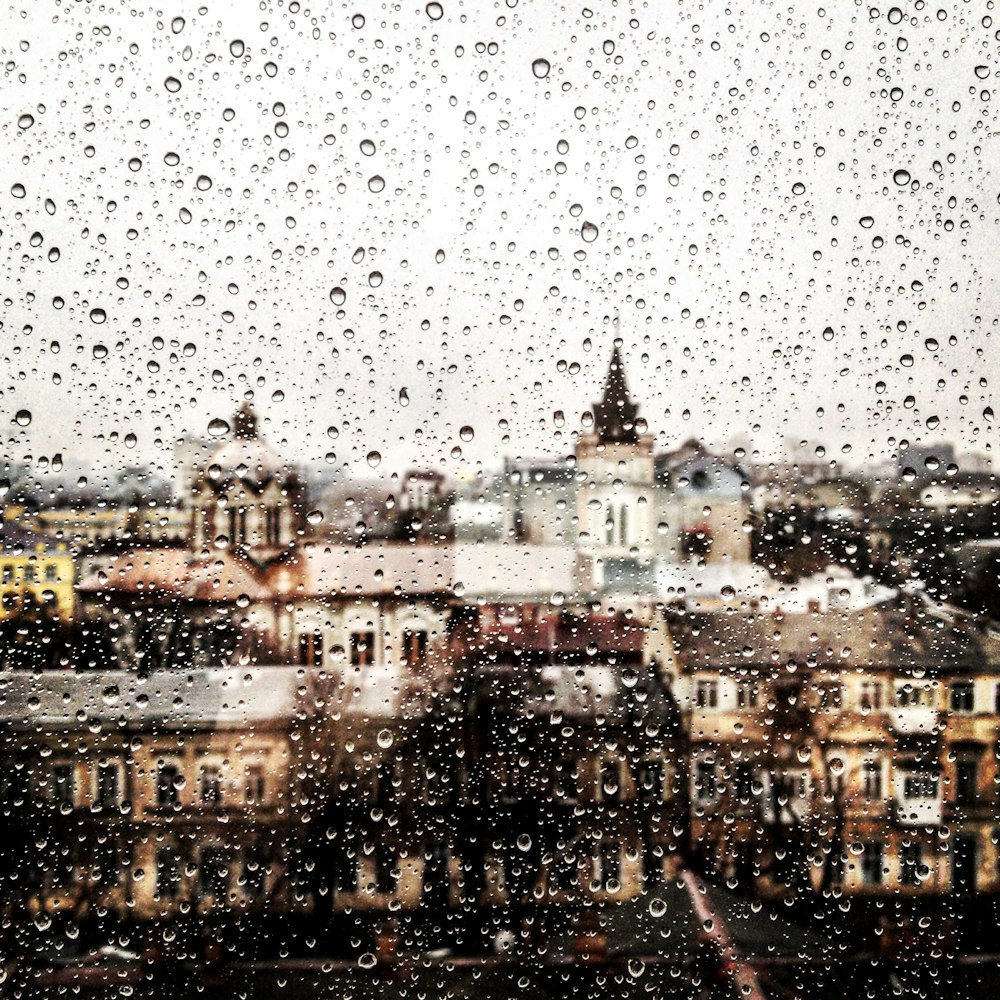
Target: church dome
<point x="245" y="456"/>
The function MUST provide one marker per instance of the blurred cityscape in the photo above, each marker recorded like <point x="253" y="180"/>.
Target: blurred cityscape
<point x="623" y="721"/>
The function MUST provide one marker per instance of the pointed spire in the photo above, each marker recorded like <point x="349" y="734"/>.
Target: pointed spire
<point x="245" y="422"/>
<point x="615" y="414"/>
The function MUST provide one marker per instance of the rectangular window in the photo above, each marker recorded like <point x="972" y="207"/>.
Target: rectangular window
<point x="107" y="862"/>
<point x="566" y="873"/>
<point x="966" y="781"/>
<point x="873" y="862"/>
<point x="210" y="786"/>
<point x="311" y="649"/>
<point x="8" y="573"/>
<point x="920" y="785"/>
<point x="747" y="694"/>
<point x="108" y="786"/>
<point x="610" y="781"/>
<point x="63" y="785"/>
<point x="254" y="786"/>
<point x="386" y="870"/>
<point x="362" y="649"/>
<point x="168" y="873"/>
<point x="649" y="778"/>
<point x="51" y="573"/>
<point x="414" y="647"/>
<point x="909" y="863"/>
<point x="29" y="573"/>
<point x="704" y="780"/>
<point x="168" y="782"/>
<point x="871" y="780"/>
<point x="963" y="697"/>
<point x="830" y="696"/>
<point x="871" y="696"/>
<point x="609" y="865"/>
<point x="912" y="696"/>
<point x="253" y="874"/>
<point x="564" y="784"/>
<point x="214" y="872"/>
<point x="347" y="869"/>
<point x="706" y="694"/>
<point x="743" y="783"/>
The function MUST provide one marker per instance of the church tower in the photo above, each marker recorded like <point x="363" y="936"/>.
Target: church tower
<point x="614" y="500"/>
<point x="245" y="497"/>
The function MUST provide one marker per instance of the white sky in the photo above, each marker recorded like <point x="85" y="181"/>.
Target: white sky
<point x="726" y="155"/>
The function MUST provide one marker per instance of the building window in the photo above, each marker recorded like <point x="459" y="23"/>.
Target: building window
<point x="649" y="780"/>
<point x="871" y="696"/>
<point x="168" y="784"/>
<point x="51" y="573"/>
<point x="168" y="873"/>
<point x="311" y="649"/>
<point x="108" y="786"/>
<point x="346" y="873"/>
<point x="910" y="863"/>
<point x="747" y="693"/>
<point x="609" y="866"/>
<point x="8" y="573"/>
<point x="107" y="862"/>
<point x="963" y="697"/>
<point x="623" y="525"/>
<point x="873" y="862"/>
<point x="704" y="780"/>
<point x="743" y="783"/>
<point x="214" y="872"/>
<point x="966" y="782"/>
<point x="871" y="780"/>
<point x="830" y="696"/>
<point x="254" y="785"/>
<point x="253" y="874"/>
<point x="609" y="526"/>
<point x="611" y="780"/>
<point x="386" y="870"/>
<point x="920" y="785"/>
<point x="706" y="694"/>
<point x="414" y="647"/>
<point x="564" y="781"/>
<point x="63" y="785"/>
<point x="362" y="649"/>
<point x="210" y="786"/>
<point x="29" y="573"/>
<point x="912" y="696"/>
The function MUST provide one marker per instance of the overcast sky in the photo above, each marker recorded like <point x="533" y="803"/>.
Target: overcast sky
<point x="390" y="220"/>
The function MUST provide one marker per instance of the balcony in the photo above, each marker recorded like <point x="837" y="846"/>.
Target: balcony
<point x="914" y="720"/>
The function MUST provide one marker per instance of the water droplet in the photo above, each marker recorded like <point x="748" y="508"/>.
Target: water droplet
<point x="982" y="72"/>
<point x="384" y="738"/>
<point x="22" y="418"/>
<point x="435" y="11"/>
<point x="203" y="183"/>
<point x="130" y="440"/>
<point x="100" y="352"/>
<point x="466" y="433"/>
<point x="338" y="296"/>
<point x="901" y="177"/>
<point x="315" y="517"/>
<point x="439" y="257"/>
<point x="172" y="84"/>
<point x="588" y="232"/>
<point x="867" y="222"/>
<point x="25" y="121"/>
<point x="375" y="279"/>
<point x="906" y="360"/>
<point x="374" y="459"/>
<point x="798" y="188"/>
<point x="930" y="344"/>
<point x="50" y="206"/>
<point x="17" y="190"/>
<point x="541" y="68"/>
<point x="218" y="427"/>
<point x="368" y="147"/>
<point x="237" y="48"/>
<point x="988" y="414"/>
<point x="177" y="25"/>
<point x="171" y="159"/>
<point x="135" y="164"/>
<point x="367" y="960"/>
<point x="404" y="397"/>
<point x="98" y="316"/>
<point x="376" y="184"/>
<point x="358" y="21"/>
<point x="524" y="843"/>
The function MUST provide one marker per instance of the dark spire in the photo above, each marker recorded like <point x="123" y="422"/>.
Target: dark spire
<point x="245" y="422"/>
<point x="615" y="414"/>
